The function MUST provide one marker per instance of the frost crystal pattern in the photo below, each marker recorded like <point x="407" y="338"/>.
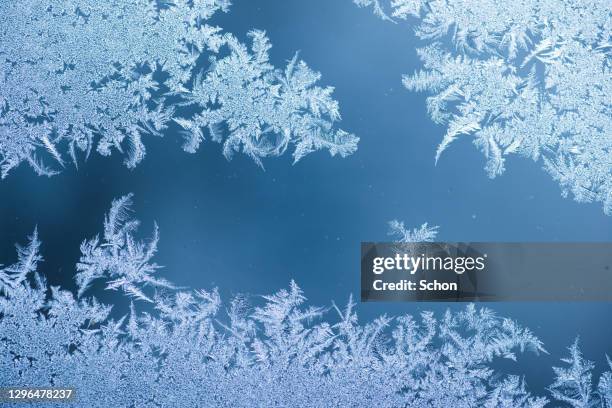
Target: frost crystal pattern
<point x="530" y="77"/>
<point x="182" y="348"/>
<point x="400" y="233"/>
<point x="85" y="75"/>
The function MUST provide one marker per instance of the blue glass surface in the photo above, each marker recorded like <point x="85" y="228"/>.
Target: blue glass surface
<point x="232" y="225"/>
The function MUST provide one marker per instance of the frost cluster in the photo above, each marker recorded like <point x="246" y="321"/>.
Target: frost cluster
<point x="83" y="75"/>
<point x="526" y="77"/>
<point x="401" y="234"/>
<point x="183" y="348"/>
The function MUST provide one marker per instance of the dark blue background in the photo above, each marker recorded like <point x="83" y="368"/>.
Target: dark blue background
<point x="232" y="225"/>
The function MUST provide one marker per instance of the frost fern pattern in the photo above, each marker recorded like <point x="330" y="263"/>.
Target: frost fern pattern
<point x="532" y="78"/>
<point x="83" y="75"/>
<point x="175" y="347"/>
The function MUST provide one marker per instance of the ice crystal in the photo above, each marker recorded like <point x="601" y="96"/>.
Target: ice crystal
<point x="523" y="77"/>
<point x="81" y="75"/>
<point x="29" y="258"/>
<point x="424" y="233"/>
<point x="179" y="347"/>
<point x="573" y="385"/>
<point x="182" y="348"/>
<point x="120" y="256"/>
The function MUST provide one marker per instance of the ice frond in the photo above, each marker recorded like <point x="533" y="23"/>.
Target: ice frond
<point x="75" y="93"/>
<point x="403" y="9"/>
<point x="457" y="126"/>
<point x="535" y="85"/>
<point x="573" y="384"/>
<point x="285" y="106"/>
<point x="28" y="259"/>
<point x="400" y="233"/>
<point x="123" y="261"/>
<point x="274" y="350"/>
<point x="377" y="8"/>
<point x="604" y="389"/>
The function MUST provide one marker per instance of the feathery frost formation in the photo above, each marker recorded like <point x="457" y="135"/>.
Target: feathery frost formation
<point x="400" y="233"/>
<point x="530" y="77"/>
<point x="179" y="350"/>
<point x="573" y="385"/>
<point x="84" y="75"/>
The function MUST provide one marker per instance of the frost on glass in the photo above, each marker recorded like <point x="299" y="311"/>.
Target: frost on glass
<point x="530" y="77"/>
<point x="174" y="347"/>
<point x="400" y="233"/>
<point x="574" y="384"/>
<point x="83" y="75"/>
